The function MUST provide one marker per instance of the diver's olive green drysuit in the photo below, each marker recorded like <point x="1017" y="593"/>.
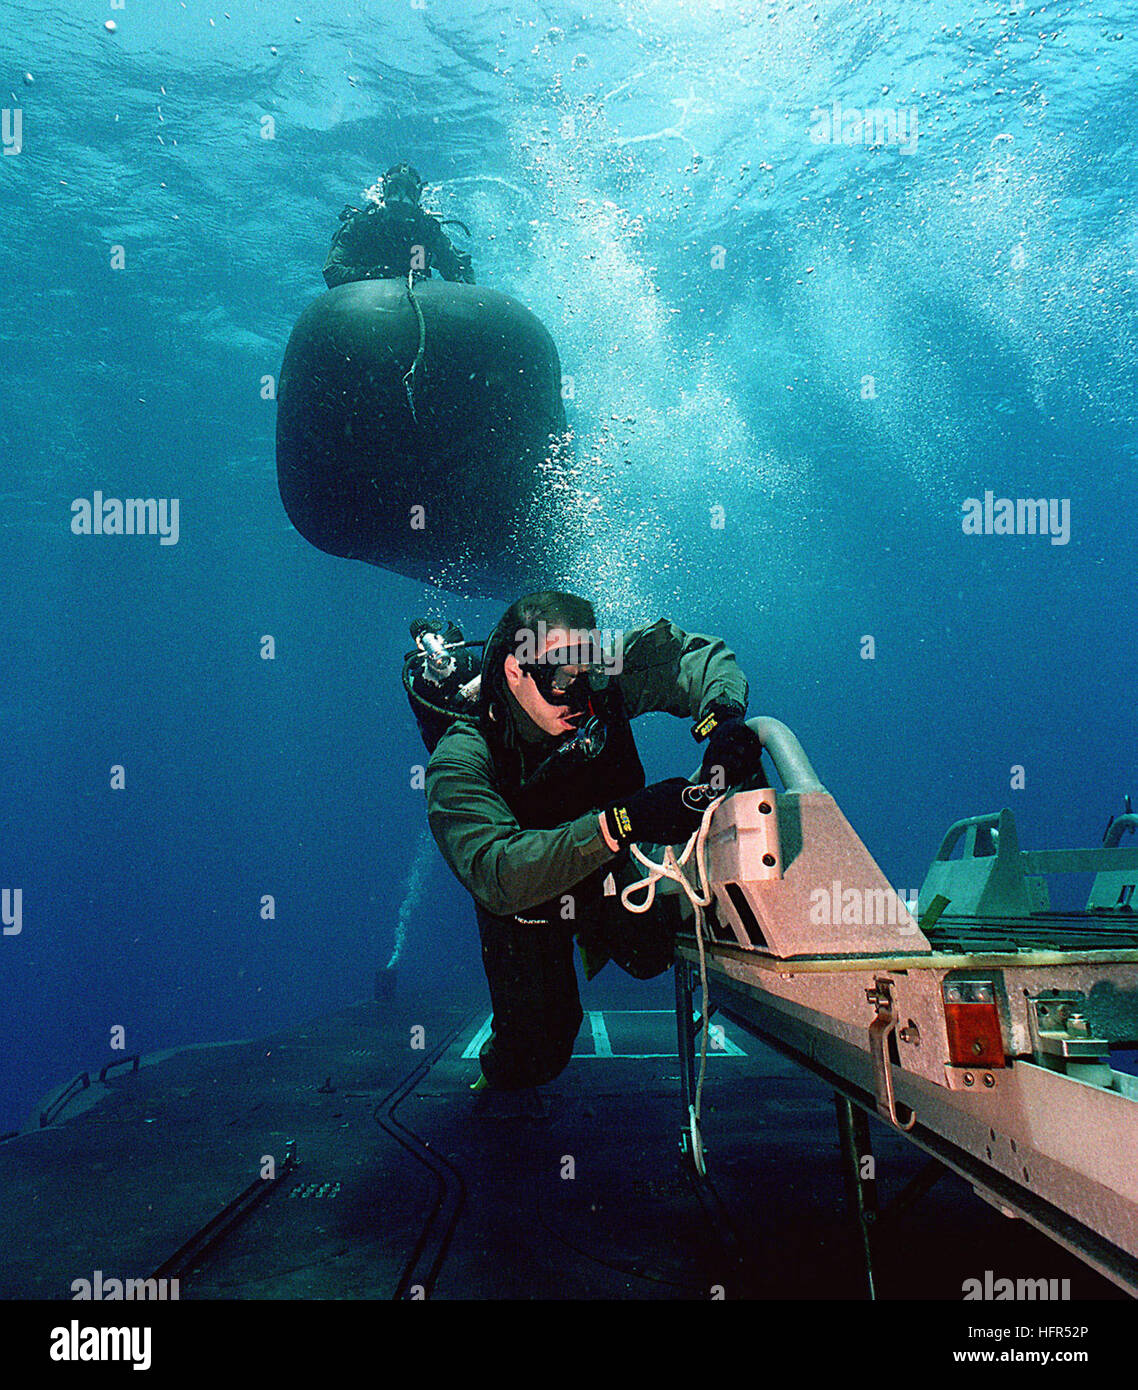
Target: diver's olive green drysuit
<point x="526" y="843"/>
<point x="374" y="244"/>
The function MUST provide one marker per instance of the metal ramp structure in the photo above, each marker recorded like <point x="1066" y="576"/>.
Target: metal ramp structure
<point x="982" y="1029"/>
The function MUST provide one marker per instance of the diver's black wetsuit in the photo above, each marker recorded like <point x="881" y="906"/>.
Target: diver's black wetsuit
<point x="531" y="852"/>
<point x="528" y="957"/>
<point x="376" y="244"/>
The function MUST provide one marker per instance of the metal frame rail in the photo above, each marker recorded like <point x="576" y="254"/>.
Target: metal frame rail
<point x="853" y="1105"/>
<point x="994" y="1062"/>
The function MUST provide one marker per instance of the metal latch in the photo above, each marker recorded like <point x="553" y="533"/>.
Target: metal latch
<point x="1059" y="1028"/>
<point x="880" y="1031"/>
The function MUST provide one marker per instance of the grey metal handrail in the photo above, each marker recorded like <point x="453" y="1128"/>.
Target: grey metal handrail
<point x="1118" y="827"/>
<point x="989" y="822"/>
<point x="787" y="754"/>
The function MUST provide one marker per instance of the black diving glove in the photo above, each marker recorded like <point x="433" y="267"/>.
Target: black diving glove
<point x="734" y="751"/>
<point x="659" y="815"/>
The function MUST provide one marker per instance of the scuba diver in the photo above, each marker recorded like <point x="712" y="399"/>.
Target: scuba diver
<point x="389" y="240"/>
<point x="535" y="794"/>
<point x="441" y="677"/>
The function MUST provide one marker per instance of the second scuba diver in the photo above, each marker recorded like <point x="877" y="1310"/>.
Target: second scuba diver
<point x="394" y="238"/>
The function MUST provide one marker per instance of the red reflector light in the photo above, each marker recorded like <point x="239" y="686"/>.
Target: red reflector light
<point x="973" y="1019"/>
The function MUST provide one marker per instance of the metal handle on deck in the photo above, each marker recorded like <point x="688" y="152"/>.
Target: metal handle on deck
<point x="787" y="754"/>
<point x="1118" y="827"/>
<point x="880" y="1031"/>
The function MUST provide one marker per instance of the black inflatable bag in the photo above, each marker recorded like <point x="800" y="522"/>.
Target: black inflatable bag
<point x="355" y="455"/>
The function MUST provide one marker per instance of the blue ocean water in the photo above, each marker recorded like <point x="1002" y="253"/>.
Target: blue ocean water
<point x="835" y="341"/>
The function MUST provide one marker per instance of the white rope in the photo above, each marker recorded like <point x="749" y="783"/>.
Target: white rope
<point x="700" y="897"/>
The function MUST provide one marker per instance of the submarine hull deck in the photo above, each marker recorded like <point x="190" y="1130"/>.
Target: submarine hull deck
<point x="408" y="1186"/>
